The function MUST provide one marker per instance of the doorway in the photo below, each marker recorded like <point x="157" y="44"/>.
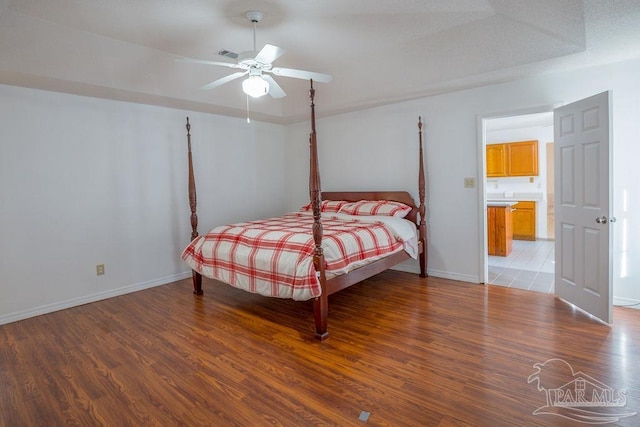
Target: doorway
<point x="530" y="262"/>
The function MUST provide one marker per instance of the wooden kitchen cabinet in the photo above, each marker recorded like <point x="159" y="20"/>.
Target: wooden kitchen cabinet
<point x="496" y="160"/>
<point x="522" y="158"/>
<point x="524" y="221"/>
<point x="512" y="159"/>
<point x="499" y="230"/>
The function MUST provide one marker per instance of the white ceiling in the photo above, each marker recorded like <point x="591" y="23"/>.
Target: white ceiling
<point x="378" y="51"/>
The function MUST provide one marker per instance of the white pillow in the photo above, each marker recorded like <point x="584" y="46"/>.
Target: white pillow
<point x="376" y="207"/>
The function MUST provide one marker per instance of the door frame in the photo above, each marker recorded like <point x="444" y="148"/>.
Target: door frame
<point x="483" y="257"/>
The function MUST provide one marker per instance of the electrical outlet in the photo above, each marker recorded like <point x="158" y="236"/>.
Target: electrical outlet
<point x="469" y="182"/>
<point x="100" y="269"/>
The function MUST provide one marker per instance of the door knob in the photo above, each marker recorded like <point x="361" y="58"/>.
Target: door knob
<point x="601" y="220"/>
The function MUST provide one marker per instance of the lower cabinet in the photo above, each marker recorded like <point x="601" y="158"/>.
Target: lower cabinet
<point x="524" y="221"/>
<point x="499" y="230"/>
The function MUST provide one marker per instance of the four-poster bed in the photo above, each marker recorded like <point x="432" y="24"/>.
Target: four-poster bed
<point x="301" y="248"/>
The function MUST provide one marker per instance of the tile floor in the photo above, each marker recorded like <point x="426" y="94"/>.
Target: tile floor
<point x="530" y="266"/>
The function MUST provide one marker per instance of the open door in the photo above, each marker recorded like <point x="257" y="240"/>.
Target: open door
<point x="583" y="272"/>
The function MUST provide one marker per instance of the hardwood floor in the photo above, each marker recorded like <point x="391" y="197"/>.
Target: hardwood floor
<point x="405" y="350"/>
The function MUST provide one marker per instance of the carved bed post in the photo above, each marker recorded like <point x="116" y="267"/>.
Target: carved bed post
<point x="197" y="277"/>
<point x="321" y="303"/>
<point x="421" y="208"/>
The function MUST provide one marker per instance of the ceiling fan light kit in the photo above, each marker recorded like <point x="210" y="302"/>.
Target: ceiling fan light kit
<point x="258" y="66"/>
<point x="255" y="86"/>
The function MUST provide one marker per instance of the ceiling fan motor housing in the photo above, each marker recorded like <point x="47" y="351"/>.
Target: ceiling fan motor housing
<point x="248" y="58"/>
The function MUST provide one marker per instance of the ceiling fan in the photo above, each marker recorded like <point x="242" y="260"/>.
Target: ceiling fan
<point x="258" y="66"/>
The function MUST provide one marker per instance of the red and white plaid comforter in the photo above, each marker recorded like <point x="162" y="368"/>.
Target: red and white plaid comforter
<point x="274" y="257"/>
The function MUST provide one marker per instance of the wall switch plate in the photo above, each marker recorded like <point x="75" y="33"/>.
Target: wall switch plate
<point x="469" y="183"/>
<point x="100" y="269"/>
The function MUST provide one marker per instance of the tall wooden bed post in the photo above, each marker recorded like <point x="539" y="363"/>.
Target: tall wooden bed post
<point x="422" y="230"/>
<point x="321" y="303"/>
<point x="197" y="277"/>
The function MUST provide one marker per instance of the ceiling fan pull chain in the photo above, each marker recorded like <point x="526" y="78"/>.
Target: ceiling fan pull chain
<point x="248" y="119"/>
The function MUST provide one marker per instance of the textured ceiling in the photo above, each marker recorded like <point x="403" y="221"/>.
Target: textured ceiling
<point x="377" y="51"/>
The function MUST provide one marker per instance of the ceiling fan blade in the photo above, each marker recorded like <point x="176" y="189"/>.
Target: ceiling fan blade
<point x="269" y="53"/>
<point x="274" y="88"/>
<point x="224" y="80"/>
<point x="202" y="61"/>
<point x="300" y="74"/>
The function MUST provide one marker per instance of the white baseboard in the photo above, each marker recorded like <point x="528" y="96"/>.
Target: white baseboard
<point x="626" y="302"/>
<point x="61" y="305"/>
<point x="409" y="267"/>
<point x="74" y="302"/>
<point x="413" y="268"/>
<point x="453" y="276"/>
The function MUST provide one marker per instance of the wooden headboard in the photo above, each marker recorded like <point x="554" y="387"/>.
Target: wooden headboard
<point x="396" y="196"/>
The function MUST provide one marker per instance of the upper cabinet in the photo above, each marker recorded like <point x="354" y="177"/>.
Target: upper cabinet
<point x="512" y="159"/>
<point x="522" y="158"/>
<point x="496" y="160"/>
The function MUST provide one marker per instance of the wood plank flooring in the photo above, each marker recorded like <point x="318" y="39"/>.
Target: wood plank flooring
<point x="405" y="350"/>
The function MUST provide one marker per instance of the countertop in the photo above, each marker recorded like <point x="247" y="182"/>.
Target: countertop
<point x="501" y="203"/>
<point x="508" y="196"/>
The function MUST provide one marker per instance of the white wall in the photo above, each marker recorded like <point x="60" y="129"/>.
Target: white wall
<point x="375" y="149"/>
<point x="86" y="181"/>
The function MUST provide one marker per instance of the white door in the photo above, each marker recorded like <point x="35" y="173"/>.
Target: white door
<point x="583" y="274"/>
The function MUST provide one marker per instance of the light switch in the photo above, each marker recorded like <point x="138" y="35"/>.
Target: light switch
<point x="469" y="182"/>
